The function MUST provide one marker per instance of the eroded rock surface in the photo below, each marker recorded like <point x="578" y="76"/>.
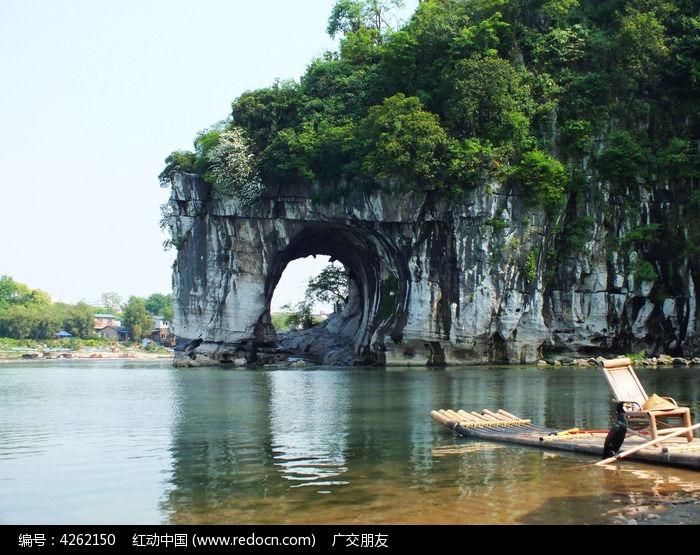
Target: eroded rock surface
<point x="431" y="283"/>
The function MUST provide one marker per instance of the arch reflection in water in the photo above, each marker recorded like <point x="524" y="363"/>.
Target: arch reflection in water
<point x="308" y="412"/>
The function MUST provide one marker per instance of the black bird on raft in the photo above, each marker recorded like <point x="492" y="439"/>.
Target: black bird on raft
<point x="616" y="435"/>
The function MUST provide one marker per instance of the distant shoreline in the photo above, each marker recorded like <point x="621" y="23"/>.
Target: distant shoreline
<point x="129" y="354"/>
<point x="663" y="361"/>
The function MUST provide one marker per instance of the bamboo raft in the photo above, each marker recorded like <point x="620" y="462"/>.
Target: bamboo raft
<point x="670" y="450"/>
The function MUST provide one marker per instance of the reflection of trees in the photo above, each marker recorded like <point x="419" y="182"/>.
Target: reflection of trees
<point x="309" y="427"/>
<point x="245" y="440"/>
<point x="219" y="446"/>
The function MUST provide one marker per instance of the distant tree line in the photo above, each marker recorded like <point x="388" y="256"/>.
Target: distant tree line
<point x="27" y="313"/>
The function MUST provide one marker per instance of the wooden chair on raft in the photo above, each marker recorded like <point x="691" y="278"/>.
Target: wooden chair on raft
<point x="653" y="415"/>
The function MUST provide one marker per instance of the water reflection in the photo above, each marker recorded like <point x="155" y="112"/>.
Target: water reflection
<point x="308" y="426"/>
<point x="219" y="441"/>
<point x="348" y="445"/>
<point x="138" y="445"/>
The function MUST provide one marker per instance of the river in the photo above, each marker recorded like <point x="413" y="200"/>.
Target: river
<point x="141" y="442"/>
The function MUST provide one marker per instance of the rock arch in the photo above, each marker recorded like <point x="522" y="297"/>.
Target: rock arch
<point x="379" y="288"/>
<point x="433" y="282"/>
<point x="229" y="264"/>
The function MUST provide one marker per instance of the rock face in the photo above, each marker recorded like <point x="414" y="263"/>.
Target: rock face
<point x="432" y="283"/>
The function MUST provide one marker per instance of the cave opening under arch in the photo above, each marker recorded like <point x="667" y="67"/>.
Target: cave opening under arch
<point x="378" y="290"/>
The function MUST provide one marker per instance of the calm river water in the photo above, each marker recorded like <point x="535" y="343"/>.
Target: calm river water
<point x="132" y="442"/>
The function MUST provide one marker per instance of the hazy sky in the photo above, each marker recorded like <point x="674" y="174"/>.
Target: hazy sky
<point x="95" y="95"/>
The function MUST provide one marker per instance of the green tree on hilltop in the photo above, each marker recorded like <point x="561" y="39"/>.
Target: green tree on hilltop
<point x="352" y="16"/>
<point x="404" y="143"/>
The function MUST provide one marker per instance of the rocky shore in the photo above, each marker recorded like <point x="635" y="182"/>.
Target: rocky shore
<point x="663" y="360"/>
<point x="136" y="354"/>
<point x="289" y="359"/>
<point x="681" y="510"/>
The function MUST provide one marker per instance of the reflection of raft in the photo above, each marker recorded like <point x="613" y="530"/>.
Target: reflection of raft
<point x="505" y="427"/>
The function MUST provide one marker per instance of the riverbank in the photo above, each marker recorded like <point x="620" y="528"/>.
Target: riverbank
<point x="28" y="353"/>
<point x="92" y="354"/>
<point x="662" y="360"/>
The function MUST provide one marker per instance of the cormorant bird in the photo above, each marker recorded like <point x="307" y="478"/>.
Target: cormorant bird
<point x="616" y="435"/>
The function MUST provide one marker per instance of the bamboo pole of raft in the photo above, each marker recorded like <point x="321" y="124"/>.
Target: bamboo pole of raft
<point x="466" y="418"/>
<point x="449" y="416"/>
<point x="495" y="415"/>
<point x="440" y="417"/>
<point x="454" y="416"/>
<point x="507" y="414"/>
<point x="512" y="418"/>
<point x="677" y="433"/>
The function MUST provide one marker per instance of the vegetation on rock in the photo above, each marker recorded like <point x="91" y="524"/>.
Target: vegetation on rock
<point x="561" y="101"/>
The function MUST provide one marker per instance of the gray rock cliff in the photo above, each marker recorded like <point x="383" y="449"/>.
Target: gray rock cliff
<point x="431" y="283"/>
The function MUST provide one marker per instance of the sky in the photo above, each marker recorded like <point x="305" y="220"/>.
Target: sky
<point x="95" y="94"/>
